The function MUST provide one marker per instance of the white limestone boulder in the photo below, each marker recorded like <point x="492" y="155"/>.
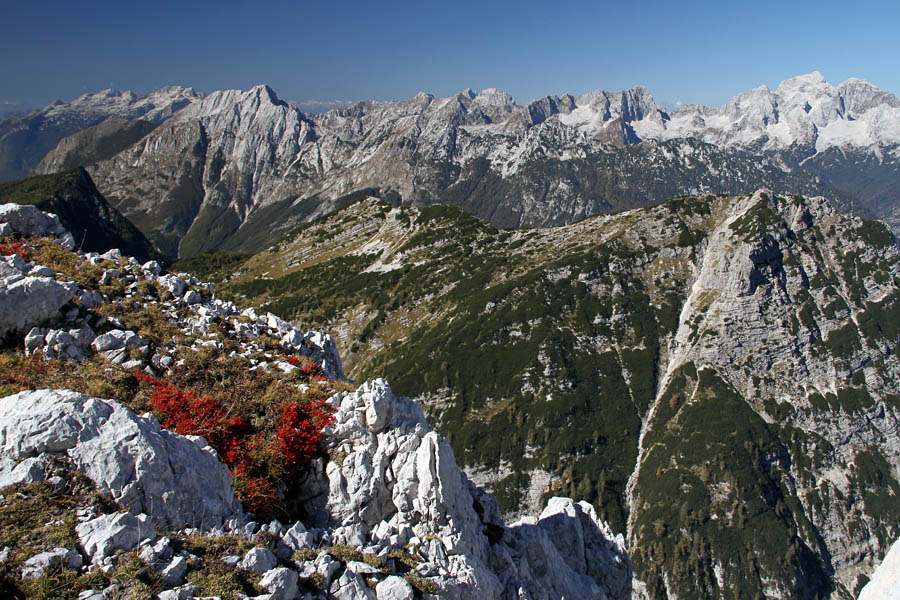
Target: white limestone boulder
<point x="394" y="588"/>
<point x="280" y="583"/>
<point x="178" y="481"/>
<point x="26" y="301"/>
<point x="259" y="560"/>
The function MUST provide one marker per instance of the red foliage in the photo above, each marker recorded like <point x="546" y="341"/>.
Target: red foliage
<point x="300" y="429"/>
<point x="296" y="437"/>
<point x="188" y="414"/>
<point x="15" y="248"/>
<point x="307" y="367"/>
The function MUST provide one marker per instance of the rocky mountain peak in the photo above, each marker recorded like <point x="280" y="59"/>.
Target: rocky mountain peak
<point x="808" y="83"/>
<point x="494" y="97"/>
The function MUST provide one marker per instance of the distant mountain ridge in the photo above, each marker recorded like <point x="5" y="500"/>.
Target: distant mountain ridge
<point x="26" y="139"/>
<point x="238" y="168"/>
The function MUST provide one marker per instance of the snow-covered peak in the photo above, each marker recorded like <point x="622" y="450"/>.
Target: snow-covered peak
<point x="595" y="111"/>
<point x="810" y="83"/>
<point x="804" y="110"/>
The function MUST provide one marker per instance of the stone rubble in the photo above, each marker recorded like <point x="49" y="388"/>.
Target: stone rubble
<point x="37" y="565"/>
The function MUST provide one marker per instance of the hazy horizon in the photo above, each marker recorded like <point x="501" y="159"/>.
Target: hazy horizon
<point x="700" y="51"/>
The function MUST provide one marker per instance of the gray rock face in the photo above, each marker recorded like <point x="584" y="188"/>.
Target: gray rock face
<point x="171" y="478"/>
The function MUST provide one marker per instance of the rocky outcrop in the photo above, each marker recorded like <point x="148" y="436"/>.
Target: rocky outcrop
<point x="29" y="295"/>
<point x="393" y="481"/>
<point x="885" y="581"/>
<point x="178" y="481"/>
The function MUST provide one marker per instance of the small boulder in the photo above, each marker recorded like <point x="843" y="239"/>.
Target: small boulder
<point x="103" y="536"/>
<point x="173" y="573"/>
<point x="36" y="566"/>
<point x="259" y="560"/>
<point x="351" y="586"/>
<point x="394" y="588"/>
<point x="281" y="583"/>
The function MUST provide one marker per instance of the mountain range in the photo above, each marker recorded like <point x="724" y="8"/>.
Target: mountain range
<point x="233" y="169"/>
<point x="658" y="313"/>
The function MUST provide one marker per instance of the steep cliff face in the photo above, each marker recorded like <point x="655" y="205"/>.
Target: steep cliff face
<point x="95" y="226"/>
<point x="716" y="375"/>
<point x="229" y="170"/>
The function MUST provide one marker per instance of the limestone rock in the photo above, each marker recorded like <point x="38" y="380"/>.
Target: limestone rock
<point x="147" y="470"/>
<point x="398" y="482"/>
<point x="351" y="586"/>
<point x="281" y="583"/>
<point x="103" y="536"/>
<point x="259" y="560"/>
<point x="394" y="588"/>
<point x="885" y="581"/>
<point x="27" y="301"/>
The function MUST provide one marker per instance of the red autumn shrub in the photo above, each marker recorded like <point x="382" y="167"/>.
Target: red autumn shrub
<point x="300" y="429"/>
<point x="14" y="248"/>
<point x="307" y="367"/>
<point x="259" y="455"/>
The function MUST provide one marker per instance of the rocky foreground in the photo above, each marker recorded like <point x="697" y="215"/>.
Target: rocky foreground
<point x="98" y="501"/>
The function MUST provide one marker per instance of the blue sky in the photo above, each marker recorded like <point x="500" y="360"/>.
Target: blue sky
<point x="692" y="51"/>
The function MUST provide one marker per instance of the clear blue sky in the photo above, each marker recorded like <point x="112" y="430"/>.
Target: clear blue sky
<point x="693" y="51"/>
